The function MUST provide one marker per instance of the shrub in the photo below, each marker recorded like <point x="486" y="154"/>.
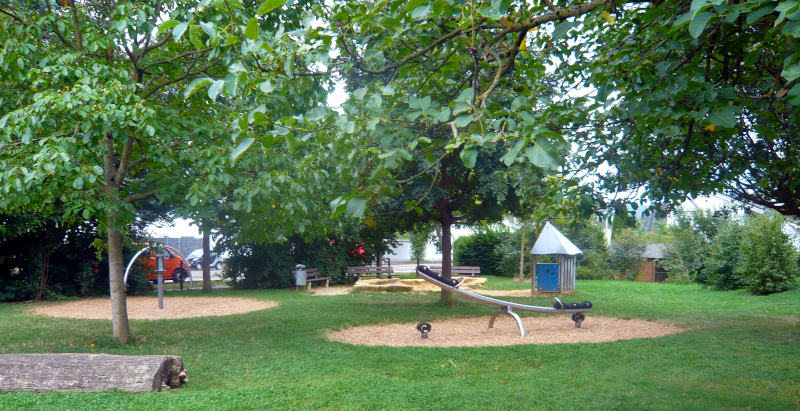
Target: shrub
<point x="480" y="249"/>
<point x="723" y="258"/>
<point x="768" y="259"/>
<point x="626" y="253"/>
<point x="254" y="265"/>
<point x="683" y="256"/>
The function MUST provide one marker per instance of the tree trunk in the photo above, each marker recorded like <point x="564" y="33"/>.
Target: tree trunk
<point x="206" y="258"/>
<point x="447" y="246"/>
<point x="90" y="372"/>
<point x="116" y="277"/>
<point x="44" y="270"/>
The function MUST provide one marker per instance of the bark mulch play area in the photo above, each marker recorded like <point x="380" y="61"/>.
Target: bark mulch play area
<point x="146" y="308"/>
<point x="473" y="332"/>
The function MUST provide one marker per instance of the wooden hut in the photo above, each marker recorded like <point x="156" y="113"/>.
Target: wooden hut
<point x="562" y="272"/>
<point x="651" y="271"/>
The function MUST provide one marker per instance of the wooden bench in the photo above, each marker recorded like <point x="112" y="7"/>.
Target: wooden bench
<point x="458" y="270"/>
<point x="378" y="272"/>
<point x="312" y="276"/>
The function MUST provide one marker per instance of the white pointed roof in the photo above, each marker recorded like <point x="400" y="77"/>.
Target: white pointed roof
<point x="551" y="241"/>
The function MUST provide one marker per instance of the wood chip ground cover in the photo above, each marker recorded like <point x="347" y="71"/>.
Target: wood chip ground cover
<point x="146" y="308"/>
<point x="474" y="332"/>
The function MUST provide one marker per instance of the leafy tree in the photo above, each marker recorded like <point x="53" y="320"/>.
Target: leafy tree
<point x="451" y="80"/>
<point x="97" y="121"/>
<point x="627" y="249"/>
<point x="769" y="261"/>
<point x="723" y="258"/>
<point x="685" y="252"/>
<point x="698" y="97"/>
<point x="419" y="241"/>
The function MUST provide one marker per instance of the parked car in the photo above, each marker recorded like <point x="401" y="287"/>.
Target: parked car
<point x="195" y="259"/>
<point x="176" y="267"/>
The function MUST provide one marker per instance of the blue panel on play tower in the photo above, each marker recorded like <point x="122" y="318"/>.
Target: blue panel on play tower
<point x="547" y="277"/>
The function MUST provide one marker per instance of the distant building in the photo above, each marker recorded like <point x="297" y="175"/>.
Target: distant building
<point x="651" y="271"/>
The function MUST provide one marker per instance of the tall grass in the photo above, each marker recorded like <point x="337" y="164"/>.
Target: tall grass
<point x="739" y="352"/>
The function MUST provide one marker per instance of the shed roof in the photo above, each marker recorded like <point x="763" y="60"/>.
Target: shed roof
<point x="551" y="241"/>
<point x="655" y="250"/>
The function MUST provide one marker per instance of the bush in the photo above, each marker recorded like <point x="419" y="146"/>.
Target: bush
<point x="590" y="238"/>
<point x="626" y="253"/>
<point x="768" y="259"/>
<point x="683" y="256"/>
<point x="723" y="258"/>
<point x="255" y="265"/>
<point x="480" y="250"/>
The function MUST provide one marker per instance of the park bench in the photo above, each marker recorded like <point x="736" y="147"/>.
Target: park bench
<point x="458" y="270"/>
<point x="312" y="276"/>
<point x="375" y="271"/>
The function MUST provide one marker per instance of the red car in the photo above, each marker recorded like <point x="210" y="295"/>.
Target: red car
<point x="176" y="267"/>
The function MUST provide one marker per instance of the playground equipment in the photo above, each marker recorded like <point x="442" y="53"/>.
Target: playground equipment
<point x="558" y="277"/>
<point x="174" y="251"/>
<point x="506" y="307"/>
<point x="424" y="328"/>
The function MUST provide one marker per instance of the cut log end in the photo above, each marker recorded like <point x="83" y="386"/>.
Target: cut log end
<point x="90" y="372"/>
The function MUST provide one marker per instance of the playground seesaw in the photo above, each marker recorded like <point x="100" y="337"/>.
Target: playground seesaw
<point x="506" y="307"/>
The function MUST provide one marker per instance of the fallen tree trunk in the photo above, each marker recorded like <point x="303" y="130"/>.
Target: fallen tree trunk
<point x="90" y="372"/>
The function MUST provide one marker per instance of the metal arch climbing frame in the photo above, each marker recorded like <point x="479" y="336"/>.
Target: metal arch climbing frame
<point x="130" y="264"/>
<point x="506" y="307"/>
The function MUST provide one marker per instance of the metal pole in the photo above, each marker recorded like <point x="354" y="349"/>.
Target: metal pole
<point x="160" y="290"/>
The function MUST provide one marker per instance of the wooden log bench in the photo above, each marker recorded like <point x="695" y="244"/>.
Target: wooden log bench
<point x="313" y="276"/>
<point x="90" y="372"/>
<point x="458" y="270"/>
<point x="375" y="271"/>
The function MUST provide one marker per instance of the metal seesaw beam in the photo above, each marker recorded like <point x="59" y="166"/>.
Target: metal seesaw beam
<point x="506" y="307"/>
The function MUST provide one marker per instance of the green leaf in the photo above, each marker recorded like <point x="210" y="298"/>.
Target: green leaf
<point x="509" y="158"/>
<point x="356" y="207"/>
<point x="291" y="143"/>
<point x="266" y="87"/>
<point x="252" y="29"/>
<point x="317" y="114"/>
<point x="215" y="89"/>
<point x="542" y="154"/>
<point x="241" y="148"/>
<point x="167" y="25"/>
<point x="562" y="29"/>
<point x="269" y="5"/>
<point x="466" y="96"/>
<point x="78" y="183"/>
<point x="698" y="24"/>
<point x="413" y="4"/>
<point x="421" y="12"/>
<point x="723" y="118"/>
<point x="760" y="12"/>
<point x="178" y="30"/>
<point x="288" y="66"/>
<point x="794" y="95"/>
<point x="792" y="72"/>
<point x="469" y="157"/>
<point x="195" y="85"/>
<point x="338" y="206"/>
<point x="464" y="120"/>
<point x="461" y="107"/>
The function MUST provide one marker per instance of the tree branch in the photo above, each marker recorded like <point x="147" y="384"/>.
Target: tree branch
<point x="138" y="197"/>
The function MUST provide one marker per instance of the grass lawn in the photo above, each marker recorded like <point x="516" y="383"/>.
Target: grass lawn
<point x="739" y="352"/>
